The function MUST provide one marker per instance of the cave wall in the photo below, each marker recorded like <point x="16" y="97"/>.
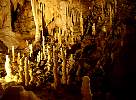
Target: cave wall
<point x="24" y="22"/>
<point x="6" y="34"/>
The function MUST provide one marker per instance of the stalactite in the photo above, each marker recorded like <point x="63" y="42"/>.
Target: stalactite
<point x="34" y="11"/>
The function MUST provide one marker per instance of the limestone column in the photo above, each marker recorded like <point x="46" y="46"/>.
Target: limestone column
<point x="71" y="62"/>
<point x="49" y="57"/>
<point x="13" y="54"/>
<point x="64" y="77"/>
<point x="81" y="23"/>
<point x="26" y="72"/>
<point x="18" y="58"/>
<point x="55" y="68"/>
<point x="39" y="56"/>
<point x="8" y="77"/>
<point x="110" y="15"/>
<point x="43" y="44"/>
<point x="21" y="69"/>
<point x="31" y="75"/>
<point x="115" y="2"/>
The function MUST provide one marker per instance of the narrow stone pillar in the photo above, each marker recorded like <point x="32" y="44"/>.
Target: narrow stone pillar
<point x="85" y="89"/>
<point x="13" y="54"/>
<point x="18" y="58"/>
<point x="8" y="77"/>
<point x="21" y="69"/>
<point x="26" y="72"/>
<point x="64" y="77"/>
<point x="31" y="75"/>
<point x="81" y="23"/>
<point x="49" y="57"/>
<point x="55" y="68"/>
<point x="93" y="29"/>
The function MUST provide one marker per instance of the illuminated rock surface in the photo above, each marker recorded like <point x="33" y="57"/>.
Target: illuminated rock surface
<point x="63" y="40"/>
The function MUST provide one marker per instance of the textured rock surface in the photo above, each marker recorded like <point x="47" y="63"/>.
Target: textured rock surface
<point x="24" y="23"/>
<point x="5" y="15"/>
<point x="6" y="35"/>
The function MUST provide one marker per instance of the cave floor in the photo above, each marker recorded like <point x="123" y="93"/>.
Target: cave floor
<point x="59" y="94"/>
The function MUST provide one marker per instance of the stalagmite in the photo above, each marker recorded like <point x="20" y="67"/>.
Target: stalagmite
<point x="31" y="75"/>
<point x="115" y="2"/>
<point x="8" y="77"/>
<point x="18" y="58"/>
<point x="85" y="89"/>
<point x="110" y="15"/>
<point x="78" y="72"/>
<point x="26" y="72"/>
<point x="93" y="29"/>
<point x="72" y="35"/>
<point x="27" y="43"/>
<point x="39" y="57"/>
<point x="71" y="62"/>
<point x="72" y="38"/>
<point x="21" y="70"/>
<point x="49" y="57"/>
<point x="43" y="44"/>
<point x="13" y="54"/>
<point x="64" y="77"/>
<point x="81" y="23"/>
<point x="55" y="68"/>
